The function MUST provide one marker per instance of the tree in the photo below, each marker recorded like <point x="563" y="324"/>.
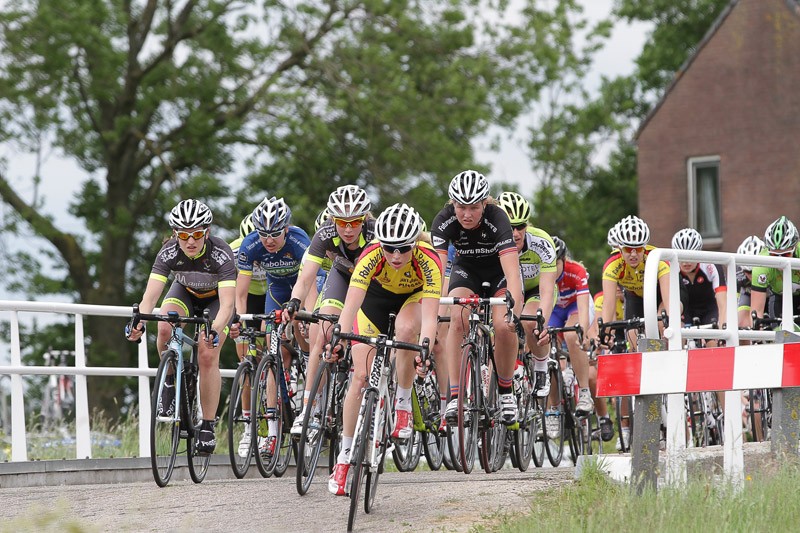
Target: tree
<point x="161" y="100"/>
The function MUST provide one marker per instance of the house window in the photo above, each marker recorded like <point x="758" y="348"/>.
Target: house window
<point x="704" y="204"/>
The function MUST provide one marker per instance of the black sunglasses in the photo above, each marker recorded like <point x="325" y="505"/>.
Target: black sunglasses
<point x="389" y="249"/>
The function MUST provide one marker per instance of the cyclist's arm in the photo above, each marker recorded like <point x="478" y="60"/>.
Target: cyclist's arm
<point x="547" y="289"/>
<point x="510" y="263"/>
<point x="155" y="286"/>
<point x="352" y="303"/>
<point x="307" y="277"/>
<point x="227" y="297"/>
<point x="758" y="300"/>
<point x="583" y="314"/>
<point x="722" y="305"/>
<point x="609" y="304"/>
<point x="663" y="286"/>
<point x="242" y="289"/>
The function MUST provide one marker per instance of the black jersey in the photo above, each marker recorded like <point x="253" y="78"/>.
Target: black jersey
<point x="492" y="238"/>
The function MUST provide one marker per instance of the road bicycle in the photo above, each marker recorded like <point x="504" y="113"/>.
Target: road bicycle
<point x="426" y="407"/>
<point x="322" y="420"/>
<point x="479" y="414"/>
<point x="375" y="418"/>
<point x="241" y="390"/>
<point x="58" y="396"/>
<point x="524" y="446"/>
<point x="703" y="411"/>
<point x="272" y="399"/>
<point x="176" y="384"/>
<point x="589" y="426"/>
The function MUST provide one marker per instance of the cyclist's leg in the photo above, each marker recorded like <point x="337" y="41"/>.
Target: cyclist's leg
<point x="438" y="355"/>
<point x="460" y="286"/>
<point x="255" y="304"/>
<point x="540" y="353"/>
<point x="407" y="329"/>
<point x="580" y="365"/>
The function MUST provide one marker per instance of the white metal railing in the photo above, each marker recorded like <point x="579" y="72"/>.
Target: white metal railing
<point x="16" y="370"/>
<point x="733" y="452"/>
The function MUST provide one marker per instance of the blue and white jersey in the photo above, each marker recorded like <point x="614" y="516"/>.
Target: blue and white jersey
<point x="281" y="266"/>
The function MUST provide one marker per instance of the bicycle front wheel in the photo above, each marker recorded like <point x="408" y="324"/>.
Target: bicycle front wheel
<point x="313" y="438"/>
<point x="238" y="424"/>
<point x="525" y="435"/>
<point x="553" y="418"/>
<point x="265" y="385"/>
<point x="374" y="472"/>
<point x="429" y="405"/>
<point x="468" y="403"/>
<point x="193" y="415"/>
<point x="164" y="421"/>
<point x="359" y="456"/>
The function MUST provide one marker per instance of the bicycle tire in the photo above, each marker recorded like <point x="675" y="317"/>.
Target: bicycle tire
<point x="492" y="430"/>
<point x="628" y="402"/>
<point x="341" y="383"/>
<point x="525" y="435"/>
<point x="373" y="473"/>
<point x="260" y="416"/>
<point x="312" y="440"/>
<point x="358" y="457"/>
<point x="286" y="445"/>
<point x="450" y="450"/>
<point x="759" y="412"/>
<point x="237" y="423"/>
<point x="164" y="431"/>
<point x="554" y="445"/>
<point x="697" y="419"/>
<point x="432" y="442"/>
<point x="193" y="414"/>
<point x="538" y="452"/>
<point x="571" y="424"/>
<point x="468" y="408"/>
<point x="403" y="452"/>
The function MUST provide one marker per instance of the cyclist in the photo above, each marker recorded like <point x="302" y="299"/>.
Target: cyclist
<point x="573" y="307"/>
<point x="256" y="297"/>
<point x="626" y="269"/>
<point x="485" y="251"/>
<point x="601" y="404"/>
<point x="205" y="278"/>
<point x="781" y="240"/>
<point x="398" y="273"/>
<point x="751" y="245"/>
<point x="276" y="247"/>
<point x="341" y="239"/>
<point x="703" y="289"/>
<point x="537" y="258"/>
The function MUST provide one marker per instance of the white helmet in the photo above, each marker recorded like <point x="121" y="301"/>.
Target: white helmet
<point x="632" y="231"/>
<point x="271" y="215"/>
<point x="398" y="225"/>
<point x="322" y="218"/>
<point x="687" y="239"/>
<point x="611" y="237"/>
<point x="468" y="187"/>
<point x="752" y="245"/>
<point x="348" y="201"/>
<point x="190" y="214"/>
<point x="781" y="235"/>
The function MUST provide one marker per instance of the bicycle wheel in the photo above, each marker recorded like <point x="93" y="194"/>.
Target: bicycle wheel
<point x="553" y="417"/>
<point x="696" y="412"/>
<point x="374" y="472"/>
<point x="468" y="408"/>
<point x="627" y="402"/>
<point x="432" y="442"/>
<point x="537" y="428"/>
<point x="265" y="381"/>
<point x="758" y="411"/>
<point x="492" y="430"/>
<point x="525" y="435"/>
<point x="164" y="427"/>
<point x="359" y="455"/>
<point x="285" y="414"/>
<point x="334" y="422"/>
<point x="313" y="438"/>
<point x="193" y="414"/>
<point x="404" y="449"/>
<point x="238" y="424"/>
<point x="571" y="425"/>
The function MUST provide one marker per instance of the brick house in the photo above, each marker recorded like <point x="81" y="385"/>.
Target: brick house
<point x="720" y="151"/>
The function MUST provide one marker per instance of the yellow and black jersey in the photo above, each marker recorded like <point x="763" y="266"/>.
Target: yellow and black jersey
<point x="630" y="278"/>
<point x="423" y="273"/>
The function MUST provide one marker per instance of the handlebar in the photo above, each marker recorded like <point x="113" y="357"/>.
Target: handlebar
<point x="173" y="318"/>
<point x="337" y="335"/>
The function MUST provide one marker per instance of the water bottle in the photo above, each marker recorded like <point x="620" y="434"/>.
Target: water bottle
<point x="518" y="377"/>
<point x="569" y="380"/>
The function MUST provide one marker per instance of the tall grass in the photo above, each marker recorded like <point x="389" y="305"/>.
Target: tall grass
<point x="767" y="502"/>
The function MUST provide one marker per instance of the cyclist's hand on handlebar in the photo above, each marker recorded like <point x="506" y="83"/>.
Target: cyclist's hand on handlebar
<point x="134" y="334"/>
<point x="333" y="353"/>
<point x="291" y="307"/>
<point x="211" y="339"/>
<point x="235" y="329"/>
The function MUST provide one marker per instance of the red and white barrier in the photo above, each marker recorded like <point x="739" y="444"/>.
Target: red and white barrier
<point x="764" y="366"/>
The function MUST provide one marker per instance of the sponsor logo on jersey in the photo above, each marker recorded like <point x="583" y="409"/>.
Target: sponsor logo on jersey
<point x="220" y="256"/>
<point x="762" y="279"/>
<point x="438" y="241"/>
<point x="542" y="248"/>
<point x="169" y="253"/>
<point x="369" y="266"/>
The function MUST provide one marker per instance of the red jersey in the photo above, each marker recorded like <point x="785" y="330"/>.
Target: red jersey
<point x="573" y="282"/>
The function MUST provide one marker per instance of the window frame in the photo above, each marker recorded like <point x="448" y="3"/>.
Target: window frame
<point x="692" y="165"/>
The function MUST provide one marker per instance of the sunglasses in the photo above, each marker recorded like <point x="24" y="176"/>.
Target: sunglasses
<point x="389" y="249"/>
<point x="270" y="234"/>
<point x="349" y="223"/>
<point x="519" y="227"/>
<point x="197" y="235"/>
<point x="779" y="253"/>
<point x="631" y="249"/>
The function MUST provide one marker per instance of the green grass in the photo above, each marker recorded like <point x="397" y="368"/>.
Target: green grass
<point x="767" y="502"/>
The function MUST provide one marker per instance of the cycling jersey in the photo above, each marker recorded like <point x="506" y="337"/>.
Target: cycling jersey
<point x="281" y="266"/>
<point x="772" y="278"/>
<point x="201" y="275"/>
<point x="538" y="255"/>
<point x="619" y="312"/>
<point x="423" y="273"/>
<point x="258" y="283"/>
<point x="699" y="296"/>
<point x="482" y="245"/>
<point x="573" y="282"/>
<point x="326" y="243"/>
<point x="629" y="278"/>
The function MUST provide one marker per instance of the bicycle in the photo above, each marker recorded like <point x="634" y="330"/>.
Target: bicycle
<point x="58" y="396"/>
<point x="168" y="424"/>
<point x="322" y="421"/>
<point x="374" y="418"/>
<point x="272" y="387"/>
<point x="589" y="426"/>
<point x="478" y="400"/>
<point x="704" y="413"/>
<point x="241" y="390"/>
<point x="524" y="446"/>
<point x="759" y="401"/>
<point x="427" y="413"/>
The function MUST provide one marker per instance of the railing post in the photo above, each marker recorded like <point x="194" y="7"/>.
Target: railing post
<point x="646" y="431"/>
<point x="144" y="400"/>
<point x="19" y="441"/>
<point x="785" y="409"/>
<point x="83" y="437"/>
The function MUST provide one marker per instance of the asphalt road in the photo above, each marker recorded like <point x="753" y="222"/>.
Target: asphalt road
<point x="417" y="501"/>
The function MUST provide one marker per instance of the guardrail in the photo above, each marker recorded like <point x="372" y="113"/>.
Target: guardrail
<point x="676" y="427"/>
<point x="19" y="450"/>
